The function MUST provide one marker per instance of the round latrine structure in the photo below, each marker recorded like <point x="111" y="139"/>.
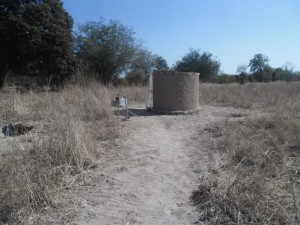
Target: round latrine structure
<point x="175" y="92"/>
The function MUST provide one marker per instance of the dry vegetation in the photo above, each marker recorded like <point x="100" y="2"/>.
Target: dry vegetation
<point x="254" y="175"/>
<point x="72" y="131"/>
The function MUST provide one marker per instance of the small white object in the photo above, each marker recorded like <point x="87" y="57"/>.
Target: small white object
<point x="122" y="102"/>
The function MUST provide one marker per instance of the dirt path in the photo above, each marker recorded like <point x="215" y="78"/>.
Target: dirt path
<point x="151" y="179"/>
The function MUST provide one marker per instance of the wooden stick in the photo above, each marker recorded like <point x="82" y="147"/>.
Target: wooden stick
<point x="118" y="106"/>
<point x="126" y="108"/>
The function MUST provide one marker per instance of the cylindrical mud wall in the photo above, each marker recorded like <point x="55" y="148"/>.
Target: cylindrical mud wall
<point x="175" y="91"/>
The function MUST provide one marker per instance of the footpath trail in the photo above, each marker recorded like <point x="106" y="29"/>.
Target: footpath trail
<point x="152" y="178"/>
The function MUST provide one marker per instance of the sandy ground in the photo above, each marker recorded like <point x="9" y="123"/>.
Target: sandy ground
<point x="149" y="174"/>
<point x="154" y="171"/>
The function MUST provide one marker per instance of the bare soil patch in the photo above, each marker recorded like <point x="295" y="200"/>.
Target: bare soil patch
<point x="154" y="170"/>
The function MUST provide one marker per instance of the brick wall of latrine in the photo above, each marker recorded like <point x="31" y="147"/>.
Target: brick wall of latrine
<point x="175" y="91"/>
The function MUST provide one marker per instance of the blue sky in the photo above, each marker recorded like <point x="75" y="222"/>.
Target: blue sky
<point x="232" y="30"/>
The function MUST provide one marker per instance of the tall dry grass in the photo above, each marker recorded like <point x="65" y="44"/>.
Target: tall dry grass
<point x="133" y="94"/>
<point x="69" y="128"/>
<point x="274" y="96"/>
<point x="254" y="174"/>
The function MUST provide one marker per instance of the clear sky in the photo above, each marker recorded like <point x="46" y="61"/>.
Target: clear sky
<point x="232" y="30"/>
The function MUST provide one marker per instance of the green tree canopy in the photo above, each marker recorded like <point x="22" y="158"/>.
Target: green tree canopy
<point x="159" y="62"/>
<point x="36" y="39"/>
<point x="142" y="64"/>
<point x="105" y="49"/>
<point x="201" y="62"/>
<point x="259" y="66"/>
<point x="258" y="63"/>
<point x="142" y="61"/>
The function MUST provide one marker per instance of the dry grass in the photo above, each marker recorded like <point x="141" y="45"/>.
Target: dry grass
<point x="73" y="124"/>
<point x="133" y="94"/>
<point x="254" y="176"/>
<point x="267" y="96"/>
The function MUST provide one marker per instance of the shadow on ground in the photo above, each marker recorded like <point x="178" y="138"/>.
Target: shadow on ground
<point x="132" y="112"/>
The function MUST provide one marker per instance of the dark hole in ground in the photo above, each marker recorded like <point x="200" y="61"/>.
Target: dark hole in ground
<point x="16" y="130"/>
<point x="236" y="115"/>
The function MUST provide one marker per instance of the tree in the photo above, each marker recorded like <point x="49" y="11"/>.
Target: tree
<point x="200" y="62"/>
<point x="142" y="61"/>
<point x="258" y="63"/>
<point x="106" y="50"/>
<point x="140" y="67"/>
<point x="36" y="39"/>
<point x="266" y="75"/>
<point x="242" y="70"/>
<point x="286" y="72"/>
<point x="137" y="77"/>
<point x="260" y="68"/>
<point x="160" y="63"/>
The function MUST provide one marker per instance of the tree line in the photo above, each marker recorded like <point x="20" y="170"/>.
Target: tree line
<point x="37" y="45"/>
<point x="259" y="69"/>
